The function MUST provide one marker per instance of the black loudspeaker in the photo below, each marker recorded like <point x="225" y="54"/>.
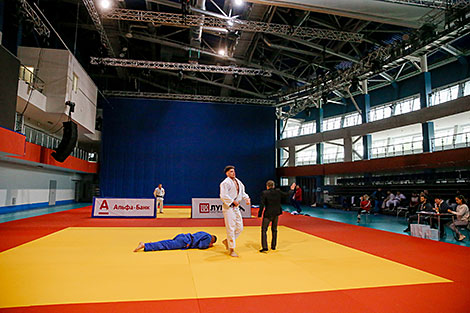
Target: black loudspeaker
<point x="69" y="139"/>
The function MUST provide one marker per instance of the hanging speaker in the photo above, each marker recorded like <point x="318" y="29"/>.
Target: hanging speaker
<point x="69" y="139"/>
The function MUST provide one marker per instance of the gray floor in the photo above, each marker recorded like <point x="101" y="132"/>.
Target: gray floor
<point x="7" y="217"/>
<point x="389" y="223"/>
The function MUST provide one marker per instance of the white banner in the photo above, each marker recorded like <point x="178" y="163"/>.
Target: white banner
<point x="212" y="208"/>
<point x="118" y="207"/>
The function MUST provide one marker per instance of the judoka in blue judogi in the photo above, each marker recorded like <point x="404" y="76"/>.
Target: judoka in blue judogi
<point x="199" y="240"/>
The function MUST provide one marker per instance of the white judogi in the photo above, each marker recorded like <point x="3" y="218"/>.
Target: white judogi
<point x="232" y="216"/>
<point x="160" y="193"/>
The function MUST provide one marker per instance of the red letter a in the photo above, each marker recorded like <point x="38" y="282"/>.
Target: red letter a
<point x="104" y="205"/>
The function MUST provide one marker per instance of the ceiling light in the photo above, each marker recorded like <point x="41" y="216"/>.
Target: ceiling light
<point x="230" y="22"/>
<point x="238" y="2"/>
<point x="222" y="51"/>
<point x="105" y="4"/>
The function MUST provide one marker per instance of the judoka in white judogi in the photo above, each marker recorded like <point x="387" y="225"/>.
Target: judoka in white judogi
<point x="232" y="192"/>
<point x="159" y="193"/>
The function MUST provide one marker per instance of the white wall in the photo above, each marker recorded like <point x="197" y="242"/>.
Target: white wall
<point x="30" y="185"/>
<point x="52" y="70"/>
<point x="57" y="69"/>
<point x="85" y="97"/>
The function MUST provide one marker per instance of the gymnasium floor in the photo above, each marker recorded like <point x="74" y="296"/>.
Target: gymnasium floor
<point x="69" y="262"/>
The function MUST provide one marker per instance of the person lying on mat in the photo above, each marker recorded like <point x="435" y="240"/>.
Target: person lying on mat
<point x="199" y="240"/>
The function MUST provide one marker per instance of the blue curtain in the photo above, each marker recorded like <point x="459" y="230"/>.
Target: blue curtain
<point x="185" y="147"/>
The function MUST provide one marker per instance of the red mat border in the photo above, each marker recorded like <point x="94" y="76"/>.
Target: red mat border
<point x="442" y="259"/>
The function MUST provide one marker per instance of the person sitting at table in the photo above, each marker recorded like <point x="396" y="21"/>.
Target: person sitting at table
<point x="463" y="216"/>
<point x="424" y="206"/>
<point x="441" y="207"/>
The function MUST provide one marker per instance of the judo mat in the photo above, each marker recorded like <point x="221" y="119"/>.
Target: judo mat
<point x="175" y="211"/>
<point x="68" y="262"/>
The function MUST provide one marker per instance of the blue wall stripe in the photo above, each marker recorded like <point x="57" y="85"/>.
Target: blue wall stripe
<point x="24" y="207"/>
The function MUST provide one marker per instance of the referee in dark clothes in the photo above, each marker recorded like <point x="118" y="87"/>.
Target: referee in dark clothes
<point x="270" y="209"/>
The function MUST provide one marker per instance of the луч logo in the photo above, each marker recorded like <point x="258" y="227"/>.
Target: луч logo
<point x="204" y="208"/>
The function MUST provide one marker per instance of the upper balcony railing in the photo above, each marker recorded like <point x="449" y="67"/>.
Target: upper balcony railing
<point x="455" y="141"/>
<point x="44" y="140"/>
<point x="31" y="79"/>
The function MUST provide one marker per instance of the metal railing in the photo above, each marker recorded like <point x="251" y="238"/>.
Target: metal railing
<point x="455" y="141"/>
<point x="31" y="79"/>
<point x="44" y="140"/>
<point x="405" y="148"/>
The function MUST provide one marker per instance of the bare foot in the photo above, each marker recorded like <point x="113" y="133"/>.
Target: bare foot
<point x="139" y="247"/>
<point x="233" y="254"/>
<point x="225" y="243"/>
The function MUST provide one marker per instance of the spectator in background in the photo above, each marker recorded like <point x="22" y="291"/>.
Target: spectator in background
<point x="365" y="206"/>
<point x="389" y="200"/>
<point x="377" y="199"/>
<point x="424" y="206"/>
<point x="399" y="199"/>
<point x="414" y="203"/>
<point x="297" y="198"/>
<point x="463" y="215"/>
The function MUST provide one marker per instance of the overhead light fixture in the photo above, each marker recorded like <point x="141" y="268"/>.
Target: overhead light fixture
<point x="238" y="2"/>
<point x="105" y="4"/>
<point x="222" y="51"/>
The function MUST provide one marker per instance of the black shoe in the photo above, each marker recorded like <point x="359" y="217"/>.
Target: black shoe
<point x="273" y="248"/>
<point x="406" y="230"/>
<point x="263" y="250"/>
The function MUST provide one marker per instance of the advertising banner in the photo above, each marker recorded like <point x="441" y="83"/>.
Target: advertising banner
<point x="212" y="208"/>
<point x="121" y="207"/>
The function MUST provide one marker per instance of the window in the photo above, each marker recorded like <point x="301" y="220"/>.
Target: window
<point x="307" y="128"/>
<point x="27" y="73"/>
<point x="75" y="83"/>
<point x="352" y="119"/>
<point x="296" y="128"/>
<point x="306" y="155"/>
<point x="380" y="112"/>
<point x="395" y="108"/>
<point x="444" y="95"/>
<point x="466" y="88"/>
<point x="291" y="129"/>
<point x="332" y="123"/>
<point x="407" y="105"/>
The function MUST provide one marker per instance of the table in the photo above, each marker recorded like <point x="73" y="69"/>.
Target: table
<point x="434" y="215"/>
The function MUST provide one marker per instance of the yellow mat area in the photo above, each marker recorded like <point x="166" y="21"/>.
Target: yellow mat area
<point x="175" y="213"/>
<point x="80" y="265"/>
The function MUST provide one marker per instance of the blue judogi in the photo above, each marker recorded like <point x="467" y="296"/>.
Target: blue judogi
<point x="199" y="240"/>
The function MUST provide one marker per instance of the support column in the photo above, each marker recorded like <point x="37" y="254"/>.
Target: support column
<point x="427" y="127"/>
<point x="291" y="162"/>
<point x="348" y="149"/>
<point x="319" y="129"/>
<point x="319" y="184"/>
<point x="366" y="139"/>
